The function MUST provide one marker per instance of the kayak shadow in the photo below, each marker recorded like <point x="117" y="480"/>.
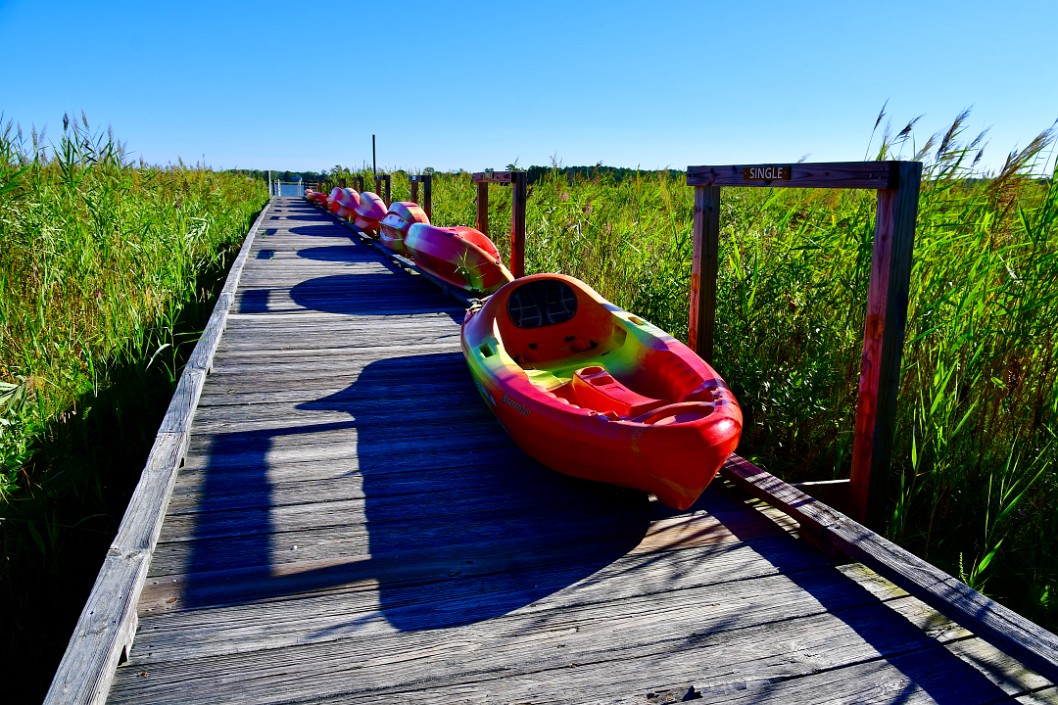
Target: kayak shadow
<point x="322" y="230"/>
<point x="375" y="294"/>
<point x="462" y="525"/>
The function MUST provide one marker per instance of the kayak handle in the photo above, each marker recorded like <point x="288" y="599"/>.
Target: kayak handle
<point x="663" y="412"/>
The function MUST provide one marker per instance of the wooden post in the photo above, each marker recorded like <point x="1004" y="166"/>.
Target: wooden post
<point x="382" y="182"/>
<point x="518" y="202"/>
<point x="359" y="183"/>
<point x="481" y="222"/>
<point x="414" y="182"/>
<point x="388" y="183"/>
<point x="883" y="343"/>
<point x="897" y="184"/>
<point x="705" y="264"/>
<point x="427" y="195"/>
<point x="519" y="197"/>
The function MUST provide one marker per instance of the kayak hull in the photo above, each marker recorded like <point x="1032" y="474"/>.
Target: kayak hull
<point x="347" y="200"/>
<point x="394" y="227"/>
<point x="460" y="256"/>
<point x="369" y="212"/>
<point x="595" y="392"/>
<point x="332" y="200"/>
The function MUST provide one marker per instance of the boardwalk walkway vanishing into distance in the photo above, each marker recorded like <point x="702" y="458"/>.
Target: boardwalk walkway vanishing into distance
<point x="350" y="525"/>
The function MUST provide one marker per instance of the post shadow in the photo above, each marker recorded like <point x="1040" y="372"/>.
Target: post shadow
<point x="945" y="677"/>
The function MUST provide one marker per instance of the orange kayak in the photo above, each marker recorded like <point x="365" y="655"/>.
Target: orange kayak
<point x="595" y="392"/>
<point x="369" y="212"/>
<point x="347" y="200"/>
<point x="332" y="200"/>
<point x="462" y="257"/>
<point x="401" y="216"/>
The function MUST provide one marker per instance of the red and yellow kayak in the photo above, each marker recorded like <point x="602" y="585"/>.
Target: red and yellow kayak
<point x="347" y="200"/>
<point x="394" y="227"/>
<point x="332" y="200"/>
<point x="460" y="256"/>
<point x="595" y="392"/>
<point x="369" y="212"/>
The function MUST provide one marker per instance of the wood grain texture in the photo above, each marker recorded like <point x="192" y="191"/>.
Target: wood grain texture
<point x="883" y="345"/>
<point x="492" y="177"/>
<point x="858" y="175"/>
<point x="519" y="196"/>
<point x="705" y="266"/>
<point x="481" y="214"/>
<point x="1034" y="646"/>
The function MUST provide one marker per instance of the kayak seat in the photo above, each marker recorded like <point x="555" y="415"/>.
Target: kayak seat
<point x="595" y="388"/>
<point x="546" y="326"/>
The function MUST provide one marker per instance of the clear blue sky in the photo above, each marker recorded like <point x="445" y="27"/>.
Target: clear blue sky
<point x="474" y="85"/>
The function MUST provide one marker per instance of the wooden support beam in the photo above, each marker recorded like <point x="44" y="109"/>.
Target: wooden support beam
<point x="493" y="177"/>
<point x="883" y="344"/>
<point x="481" y="220"/>
<point x="427" y="195"/>
<point x="868" y="175"/>
<point x="518" y="204"/>
<point x="382" y="187"/>
<point x="359" y="183"/>
<point x="705" y="265"/>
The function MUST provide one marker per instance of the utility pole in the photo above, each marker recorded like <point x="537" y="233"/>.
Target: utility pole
<point x="374" y="172"/>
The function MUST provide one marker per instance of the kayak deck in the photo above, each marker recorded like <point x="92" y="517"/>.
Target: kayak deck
<point x="351" y="525"/>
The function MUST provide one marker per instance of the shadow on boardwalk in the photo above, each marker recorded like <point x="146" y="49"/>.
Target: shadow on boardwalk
<point x="461" y="526"/>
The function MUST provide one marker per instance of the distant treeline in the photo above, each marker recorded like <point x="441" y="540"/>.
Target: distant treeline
<point x="535" y="173"/>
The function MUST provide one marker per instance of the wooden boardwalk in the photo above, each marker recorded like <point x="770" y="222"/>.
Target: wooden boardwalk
<point x="350" y="525"/>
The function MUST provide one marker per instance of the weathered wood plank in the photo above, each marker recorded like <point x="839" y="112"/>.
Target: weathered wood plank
<point x="107" y="625"/>
<point x="492" y="177"/>
<point x="519" y="197"/>
<point x="705" y="267"/>
<point x="574" y="649"/>
<point x="1034" y="646"/>
<point x="858" y="175"/>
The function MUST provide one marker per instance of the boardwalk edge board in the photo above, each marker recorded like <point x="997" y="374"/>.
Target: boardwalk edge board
<point x="1008" y="631"/>
<point x="106" y="627"/>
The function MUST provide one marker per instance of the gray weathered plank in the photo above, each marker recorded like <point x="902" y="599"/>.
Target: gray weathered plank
<point x="107" y="625"/>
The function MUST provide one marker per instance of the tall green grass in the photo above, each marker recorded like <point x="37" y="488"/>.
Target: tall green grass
<point x="974" y="486"/>
<point x="107" y="274"/>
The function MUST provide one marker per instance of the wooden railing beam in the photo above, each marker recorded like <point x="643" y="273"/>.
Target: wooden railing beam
<point x="518" y="205"/>
<point x="481" y="219"/>
<point x="705" y="265"/>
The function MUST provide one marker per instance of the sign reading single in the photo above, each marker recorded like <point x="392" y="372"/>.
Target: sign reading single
<point x="766" y="173"/>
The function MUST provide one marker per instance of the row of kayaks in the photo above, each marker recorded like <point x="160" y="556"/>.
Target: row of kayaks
<point x="460" y="256"/>
<point x="583" y="386"/>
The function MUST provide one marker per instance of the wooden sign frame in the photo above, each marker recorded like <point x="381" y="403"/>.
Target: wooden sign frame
<point x="427" y="192"/>
<point x="519" y="182"/>
<point x="383" y="180"/>
<point x="897" y="184"/>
